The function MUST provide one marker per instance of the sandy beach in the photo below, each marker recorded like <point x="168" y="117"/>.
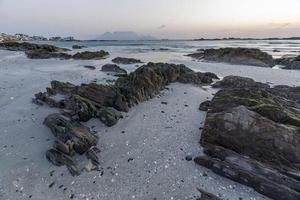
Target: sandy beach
<point x="143" y="156"/>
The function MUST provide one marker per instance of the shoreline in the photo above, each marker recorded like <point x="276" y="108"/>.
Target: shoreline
<point x="21" y="78"/>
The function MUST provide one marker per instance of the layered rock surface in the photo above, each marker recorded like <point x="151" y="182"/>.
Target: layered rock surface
<point x="105" y="102"/>
<point x="242" y="56"/>
<point x="289" y="63"/>
<point x="113" y="68"/>
<point x="43" y="51"/>
<point x="126" y="61"/>
<point x="252" y="135"/>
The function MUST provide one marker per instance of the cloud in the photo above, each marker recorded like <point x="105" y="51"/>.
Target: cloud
<point x="162" y="26"/>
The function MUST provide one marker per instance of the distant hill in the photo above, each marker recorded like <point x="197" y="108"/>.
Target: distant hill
<point x="124" y="36"/>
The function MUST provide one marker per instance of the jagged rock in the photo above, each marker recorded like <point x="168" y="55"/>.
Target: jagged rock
<point x="150" y="79"/>
<point x="244" y="170"/>
<point x="204" y="106"/>
<point x="58" y="158"/>
<point x="65" y="130"/>
<point x="239" y="82"/>
<point x="87" y="55"/>
<point x="249" y="133"/>
<point x="109" y="116"/>
<point x="126" y="61"/>
<point x="105" y="102"/>
<point x="113" y="68"/>
<point x="207" y="196"/>
<point x="44" y="54"/>
<point x="289" y="62"/>
<point x="62" y="88"/>
<point x="287" y="92"/>
<point x="104" y="96"/>
<point x="90" y="67"/>
<point x="43" y="51"/>
<point x="25" y="46"/>
<point x="76" y="46"/>
<point x="71" y="137"/>
<point x="197" y="55"/>
<point x="258" y="127"/>
<point x="83" y="107"/>
<point x="244" y="56"/>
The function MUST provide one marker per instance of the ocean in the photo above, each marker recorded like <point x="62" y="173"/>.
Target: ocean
<point x="276" y="48"/>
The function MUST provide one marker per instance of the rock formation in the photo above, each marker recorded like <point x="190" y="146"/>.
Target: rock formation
<point x="126" y="61"/>
<point x="289" y="62"/>
<point x="38" y="51"/>
<point x="76" y="46"/>
<point x="105" y="102"/>
<point x="243" y="56"/>
<point x="113" y="68"/>
<point x="252" y="136"/>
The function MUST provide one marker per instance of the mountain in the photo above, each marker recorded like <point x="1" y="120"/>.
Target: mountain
<point x="124" y="36"/>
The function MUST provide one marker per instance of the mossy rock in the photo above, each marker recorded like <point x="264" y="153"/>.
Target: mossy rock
<point x="266" y="104"/>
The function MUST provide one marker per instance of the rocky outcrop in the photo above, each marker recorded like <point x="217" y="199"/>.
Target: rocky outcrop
<point x="43" y="51"/>
<point x="126" y="61"/>
<point x="89" y="67"/>
<point x="88" y="55"/>
<point x="113" y="68"/>
<point x="105" y="102"/>
<point x="239" y="82"/>
<point x="252" y="135"/>
<point x="243" y="56"/>
<point x="71" y="137"/>
<point x="76" y="46"/>
<point x="150" y="79"/>
<point x="289" y="62"/>
<point x="45" y="54"/>
<point x="25" y="46"/>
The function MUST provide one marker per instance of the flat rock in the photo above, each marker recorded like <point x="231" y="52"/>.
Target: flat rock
<point x="243" y="56"/>
<point x="113" y="68"/>
<point x="126" y="61"/>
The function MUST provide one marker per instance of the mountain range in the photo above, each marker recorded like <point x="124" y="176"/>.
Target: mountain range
<point x="124" y="36"/>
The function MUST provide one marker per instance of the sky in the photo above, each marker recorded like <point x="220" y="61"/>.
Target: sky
<point x="173" y="19"/>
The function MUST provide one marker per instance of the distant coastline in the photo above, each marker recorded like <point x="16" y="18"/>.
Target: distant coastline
<point x="23" y="37"/>
<point x="232" y="38"/>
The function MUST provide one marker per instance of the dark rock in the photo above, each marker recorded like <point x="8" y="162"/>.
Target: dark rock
<point x="189" y="158"/>
<point x="104" y="95"/>
<point x="287" y="92"/>
<point x="44" y="54"/>
<point x="126" y="61"/>
<point x="244" y="170"/>
<point x="25" y="46"/>
<point x="204" y="106"/>
<point x="207" y="196"/>
<point x="289" y="62"/>
<point x="76" y="46"/>
<point x="113" y="68"/>
<point x="252" y="135"/>
<point x="197" y="55"/>
<point x="109" y="116"/>
<point x="150" y="79"/>
<point x="104" y="102"/>
<point x="71" y="133"/>
<point x="87" y="55"/>
<point x="51" y="184"/>
<point x="243" y="56"/>
<point x="71" y="137"/>
<point x="90" y="67"/>
<point x="239" y="82"/>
